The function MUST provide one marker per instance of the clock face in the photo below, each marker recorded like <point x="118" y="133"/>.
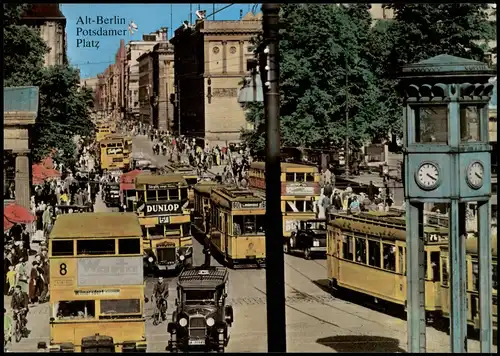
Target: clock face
<point x="427" y="176"/>
<point x="475" y="175"/>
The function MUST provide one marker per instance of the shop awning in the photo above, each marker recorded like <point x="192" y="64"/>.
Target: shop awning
<point x="18" y="214"/>
<point x="48" y="162"/>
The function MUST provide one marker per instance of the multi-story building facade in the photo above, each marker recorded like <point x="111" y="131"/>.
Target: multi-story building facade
<point x="134" y="49"/>
<point x="156" y="83"/>
<point x="210" y="62"/>
<point x="49" y="20"/>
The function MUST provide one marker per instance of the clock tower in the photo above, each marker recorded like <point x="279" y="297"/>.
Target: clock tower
<point x="447" y="160"/>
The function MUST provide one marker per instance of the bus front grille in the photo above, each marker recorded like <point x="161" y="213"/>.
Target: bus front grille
<point x="166" y="255"/>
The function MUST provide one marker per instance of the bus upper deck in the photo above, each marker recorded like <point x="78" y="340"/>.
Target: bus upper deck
<point x="97" y="283"/>
<point x="112" y="156"/>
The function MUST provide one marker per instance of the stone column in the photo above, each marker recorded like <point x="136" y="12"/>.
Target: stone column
<point x="22" y="178"/>
<point x="224" y="56"/>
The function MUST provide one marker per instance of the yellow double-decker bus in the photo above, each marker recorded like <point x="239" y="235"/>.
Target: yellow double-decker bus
<point x="97" y="284"/>
<point x="237" y="226"/>
<point x="112" y="157"/>
<point x="299" y="191"/>
<point x="161" y="203"/>
<point x="127" y="147"/>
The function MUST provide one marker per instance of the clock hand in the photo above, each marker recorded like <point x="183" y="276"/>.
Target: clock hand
<point x="431" y="177"/>
<point x="478" y="175"/>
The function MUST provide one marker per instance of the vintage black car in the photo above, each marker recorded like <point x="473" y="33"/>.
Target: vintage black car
<point x="310" y="239"/>
<point x="112" y="195"/>
<point x="167" y="257"/>
<point x="202" y="319"/>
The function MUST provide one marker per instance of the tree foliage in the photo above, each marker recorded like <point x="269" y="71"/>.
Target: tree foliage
<point x="63" y="105"/>
<point x="321" y="45"/>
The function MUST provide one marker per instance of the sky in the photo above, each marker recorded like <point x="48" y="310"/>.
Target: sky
<point x="92" y="54"/>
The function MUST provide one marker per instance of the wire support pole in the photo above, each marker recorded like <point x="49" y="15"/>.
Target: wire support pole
<point x="275" y="276"/>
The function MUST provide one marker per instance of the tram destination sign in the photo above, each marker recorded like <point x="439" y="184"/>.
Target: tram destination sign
<point x="163" y="208"/>
<point x="110" y="271"/>
<point x="299" y="188"/>
<point x="163" y="186"/>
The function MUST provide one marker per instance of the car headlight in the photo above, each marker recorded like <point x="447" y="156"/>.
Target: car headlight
<point x="183" y="322"/>
<point x="210" y="321"/>
<point x="150" y="259"/>
<point x="182" y="257"/>
<point x="315" y="243"/>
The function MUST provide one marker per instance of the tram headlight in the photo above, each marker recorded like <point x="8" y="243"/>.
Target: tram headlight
<point x="183" y="322"/>
<point x="210" y="321"/>
<point x="182" y="257"/>
<point x="150" y="259"/>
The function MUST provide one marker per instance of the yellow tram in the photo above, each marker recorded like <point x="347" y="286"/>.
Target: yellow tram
<point x="471" y="247"/>
<point x="366" y="253"/>
<point x="237" y="226"/>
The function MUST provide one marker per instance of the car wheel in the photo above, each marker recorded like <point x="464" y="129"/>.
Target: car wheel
<point x="307" y="253"/>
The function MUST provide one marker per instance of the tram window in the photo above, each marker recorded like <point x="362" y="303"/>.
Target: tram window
<point x="301" y="205"/>
<point x="494" y="274"/>
<point x="173" y="194"/>
<point x="261" y="221"/>
<point x="309" y="205"/>
<point x="140" y="195"/>
<point x="347" y="248"/>
<point x="475" y="276"/>
<point x="62" y="248"/>
<point x="75" y="309"/>
<point x="129" y="246"/>
<point x="360" y="250"/>
<point x="290" y="177"/>
<point x="289" y="206"/>
<point x="435" y="266"/>
<point x="95" y="247"/>
<point x="374" y="253"/>
<point x="389" y="257"/>
<point x="184" y="193"/>
<point x="162" y="194"/>
<point x="444" y="271"/>
<point x="299" y="177"/>
<point x="309" y="177"/>
<point x="401" y="261"/>
<point x="425" y="265"/>
<point x="151" y="195"/>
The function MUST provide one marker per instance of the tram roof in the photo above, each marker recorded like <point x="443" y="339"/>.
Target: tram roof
<point x="286" y="167"/>
<point x="471" y="246"/>
<point x="96" y="225"/>
<point x="233" y="193"/>
<point x="143" y="179"/>
<point x="205" y="187"/>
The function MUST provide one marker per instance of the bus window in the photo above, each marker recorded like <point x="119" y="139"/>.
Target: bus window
<point x="186" y="229"/>
<point x="75" y="309"/>
<point x="173" y="194"/>
<point x="374" y="253"/>
<point x="120" y="306"/>
<point x="290" y="177"/>
<point x="360" y="250"/>
<point x="184" y="193"/>
<point x="163" y="194"/>
<point x="95" y="247"/>
<point x="389" y="257"/>
<point x="157" y="231"/>
<point x="444" y="271"/>
<point x="401" y="261"/>
<point x="129" y="246"/>
<point x="144" y="231"/>
<point x="435" y="266"/>
<point x="309" y="177"/>
<point x="309" y="206"/>
<point x="347" y="248"/>
<point x="151" y="195"/>
<point x="300" y="177"/>
<point x="62" y="248"/>
<point x="475" y="276"/>
<point x="173" y="229"/>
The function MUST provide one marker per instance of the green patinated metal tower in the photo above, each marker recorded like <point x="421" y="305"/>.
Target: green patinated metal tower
<point x="447" y="160"/>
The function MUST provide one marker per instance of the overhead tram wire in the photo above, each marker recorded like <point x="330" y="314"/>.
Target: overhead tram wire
<point x="219" y="10"/>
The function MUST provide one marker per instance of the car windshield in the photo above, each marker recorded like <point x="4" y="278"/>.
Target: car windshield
<point x="197" y="297"/>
